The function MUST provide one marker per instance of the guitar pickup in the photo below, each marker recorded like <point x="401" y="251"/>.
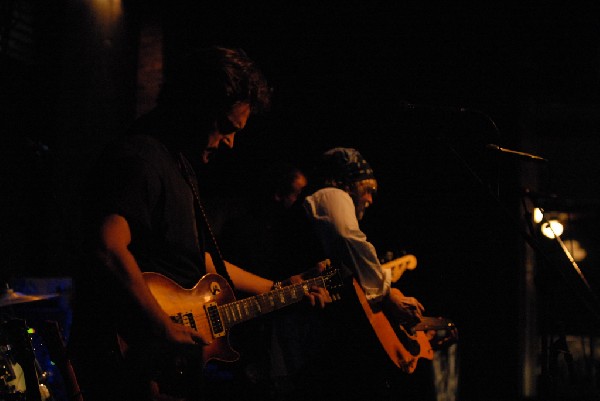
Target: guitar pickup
<point x="214" y="319"/>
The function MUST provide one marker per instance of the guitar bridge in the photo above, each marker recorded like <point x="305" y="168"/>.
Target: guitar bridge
<point x="214" y="319"/>
<point x="186" y="319"/>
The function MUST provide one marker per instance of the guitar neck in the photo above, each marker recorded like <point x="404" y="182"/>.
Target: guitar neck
<point x="251" y="307"/>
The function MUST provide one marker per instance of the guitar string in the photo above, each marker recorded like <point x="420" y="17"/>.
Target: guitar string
<point x="249" y="305"/>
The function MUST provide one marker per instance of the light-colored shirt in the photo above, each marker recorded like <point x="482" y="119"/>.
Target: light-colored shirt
<point x="333" y="214"/>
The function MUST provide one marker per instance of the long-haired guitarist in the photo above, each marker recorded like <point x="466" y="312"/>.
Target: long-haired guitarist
<point x="142" y="214"/>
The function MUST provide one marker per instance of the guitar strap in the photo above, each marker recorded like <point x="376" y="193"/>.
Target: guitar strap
<point x="202" y="220"/>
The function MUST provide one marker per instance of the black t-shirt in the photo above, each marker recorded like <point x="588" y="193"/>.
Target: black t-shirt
<point x="140" y="179"/>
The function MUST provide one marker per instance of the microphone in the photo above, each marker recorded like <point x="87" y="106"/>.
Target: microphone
<point x="430" y="108"/>
<point x="522" y="155"/>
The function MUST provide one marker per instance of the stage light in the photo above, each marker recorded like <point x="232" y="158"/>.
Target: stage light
<point x="552" y="229"/>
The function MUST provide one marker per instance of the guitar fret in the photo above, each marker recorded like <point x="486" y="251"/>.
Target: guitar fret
<point x="238" y="310"/>
<point x="257" y="304"/>
<point x="232" y="313"/>
<point x="228" y="316"/>
<point x="243" y="309"/>
<point x="266" y="302"/>
<point x="248" y="308"/>
<point x="251" y="308"/>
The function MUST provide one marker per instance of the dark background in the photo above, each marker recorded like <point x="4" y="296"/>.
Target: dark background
<point x="522" y="76"/>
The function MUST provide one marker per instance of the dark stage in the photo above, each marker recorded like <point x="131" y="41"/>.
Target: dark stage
<point x="420" y="90"/>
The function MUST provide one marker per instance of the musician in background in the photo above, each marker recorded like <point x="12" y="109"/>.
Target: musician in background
<point x="141" y="214"/>
<point x="345" y="187"/>
<point x="258" y="235"/>
<point x="324" y="355"/>
<point x="272" y="237"/>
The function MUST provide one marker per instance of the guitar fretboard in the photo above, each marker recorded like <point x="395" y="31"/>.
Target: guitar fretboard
<point x="251" y="307"/>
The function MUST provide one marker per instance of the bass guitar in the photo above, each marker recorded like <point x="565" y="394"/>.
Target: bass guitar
<point x="404" y="346"/>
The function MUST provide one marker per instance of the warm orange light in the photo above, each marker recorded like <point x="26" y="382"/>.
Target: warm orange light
<point x="107" y="12"/>
<point x="107" y="8"/>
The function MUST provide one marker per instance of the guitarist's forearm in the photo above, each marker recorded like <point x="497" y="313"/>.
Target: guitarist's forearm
<point x="242" y="279"/>
<point x="115" y="256"/>
<point x="132" y="279"/>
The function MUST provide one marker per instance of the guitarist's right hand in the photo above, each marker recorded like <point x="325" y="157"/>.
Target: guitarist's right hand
<point x="178" y="334"/>
<point x="403" y="308"/>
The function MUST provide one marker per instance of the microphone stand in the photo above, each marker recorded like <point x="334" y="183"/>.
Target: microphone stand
<point x="591" y="302"/>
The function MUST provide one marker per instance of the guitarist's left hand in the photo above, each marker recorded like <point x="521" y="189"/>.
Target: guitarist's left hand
<point x="405" y="309"/>
<point x="315" y="295"/>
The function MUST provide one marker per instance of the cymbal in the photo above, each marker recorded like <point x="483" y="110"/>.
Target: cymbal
<point x="11" y="297"/>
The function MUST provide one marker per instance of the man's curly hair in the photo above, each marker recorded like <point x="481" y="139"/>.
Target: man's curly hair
<point x="215" y="78"/>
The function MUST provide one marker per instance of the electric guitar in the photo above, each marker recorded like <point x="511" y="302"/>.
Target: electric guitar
<point x="210" y="306"/>
<point x="403" y="346"/>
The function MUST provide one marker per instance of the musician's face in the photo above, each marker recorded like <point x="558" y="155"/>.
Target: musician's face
<point x="223" y="130"/>
<point x="296" y="187"/>
<point x="362" y="193"/>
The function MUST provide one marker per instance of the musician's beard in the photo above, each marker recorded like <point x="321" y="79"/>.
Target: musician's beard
<point x="209" y="154"/>
<point x="361" y="208"/>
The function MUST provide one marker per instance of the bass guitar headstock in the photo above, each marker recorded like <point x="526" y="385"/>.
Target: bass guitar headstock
<point x="399" y="265"/>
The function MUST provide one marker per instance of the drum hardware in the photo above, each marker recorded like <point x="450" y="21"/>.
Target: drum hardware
<point x="56" y="346"/>
<point x="21" y="377"/>
<point x="11" y="374"/>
